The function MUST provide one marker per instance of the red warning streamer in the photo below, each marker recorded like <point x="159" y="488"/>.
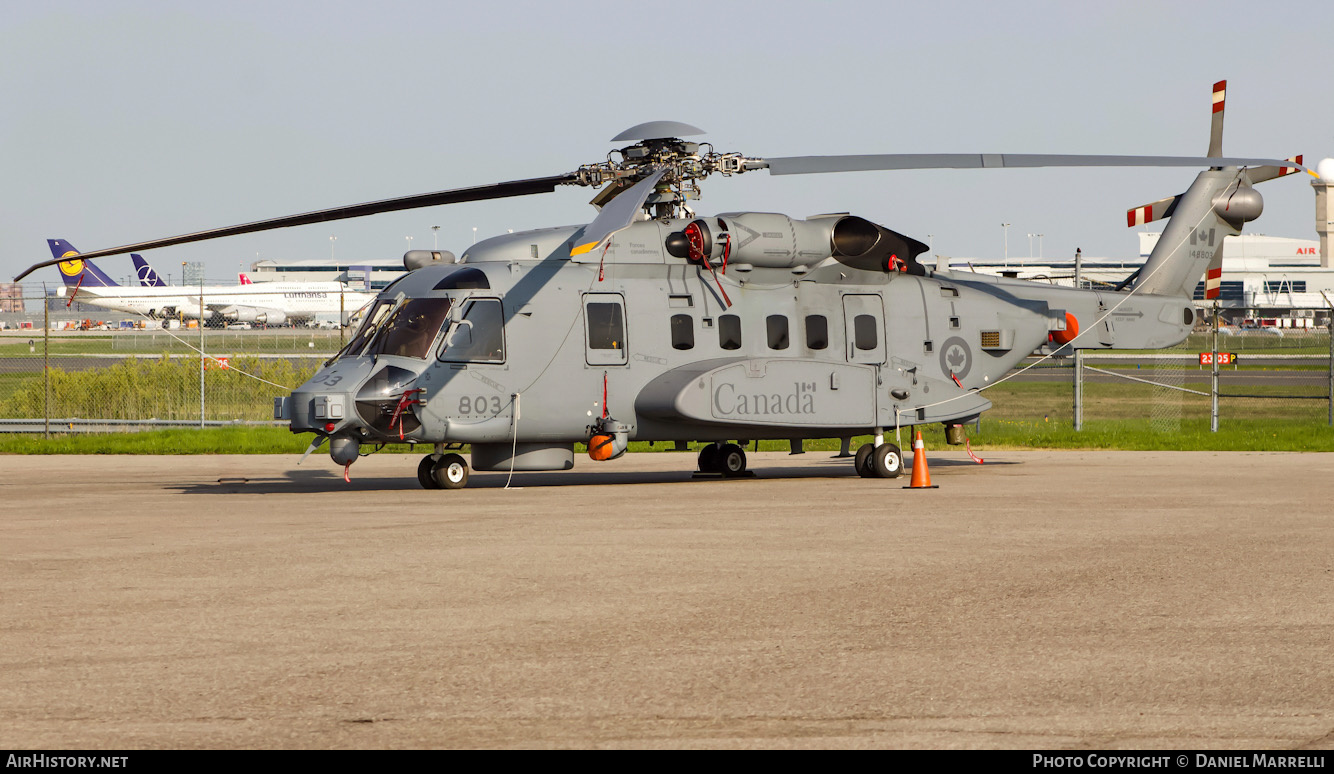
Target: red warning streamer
<point x="403" y="402"/>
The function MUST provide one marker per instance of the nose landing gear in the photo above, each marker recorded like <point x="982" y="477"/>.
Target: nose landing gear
<point x="442" y="471"/>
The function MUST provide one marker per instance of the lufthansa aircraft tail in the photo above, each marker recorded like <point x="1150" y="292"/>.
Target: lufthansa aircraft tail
<point x="75" y="271"/>
<point x="147" y="277"/>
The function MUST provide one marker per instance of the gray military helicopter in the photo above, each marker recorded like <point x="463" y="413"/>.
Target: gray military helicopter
<point x="653" y="323"/>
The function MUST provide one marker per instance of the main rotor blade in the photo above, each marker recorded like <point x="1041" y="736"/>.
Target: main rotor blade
<point x="453" y="196"/>
<point x="616" y="214"/>
<point x="809" y="165"/>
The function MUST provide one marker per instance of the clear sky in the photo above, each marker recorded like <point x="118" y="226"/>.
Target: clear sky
<point x="123" y="121"/>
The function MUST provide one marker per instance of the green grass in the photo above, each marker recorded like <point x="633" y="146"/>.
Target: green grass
<point x="994" y="435"/>
<point x="1120" y="415"/>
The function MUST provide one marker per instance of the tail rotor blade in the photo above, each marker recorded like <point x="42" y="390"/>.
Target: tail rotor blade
<point x="1216" y="127"/>
<point x="1269" y="172"/>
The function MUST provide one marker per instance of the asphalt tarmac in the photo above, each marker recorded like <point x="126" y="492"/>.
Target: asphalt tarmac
<point x="1051" y="600"/>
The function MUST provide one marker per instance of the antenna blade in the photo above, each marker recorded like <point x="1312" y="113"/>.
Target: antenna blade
<point x="453" y="196"/>
<point x="809" y="165"/>
<point x="615" y="215"/>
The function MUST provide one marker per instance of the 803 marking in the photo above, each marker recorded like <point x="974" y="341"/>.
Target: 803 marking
<point x="480" y="405"/>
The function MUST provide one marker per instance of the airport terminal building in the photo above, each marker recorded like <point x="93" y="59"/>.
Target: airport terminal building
<point x="379" y="272"/>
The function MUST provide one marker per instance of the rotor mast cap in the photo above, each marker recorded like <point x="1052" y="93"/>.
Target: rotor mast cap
<point x="656" y="130"/>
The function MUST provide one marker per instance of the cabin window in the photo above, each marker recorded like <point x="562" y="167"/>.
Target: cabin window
<point x="817" y="331"/>
<point x="729" y="331"/>
<point x="479" y="337"/>
<point x="683" y="331"/>
<point x="776" y="325"/>
<point x="606" y="326"/>
<point x="412" y="327"/>
<point x="864" y="334"/>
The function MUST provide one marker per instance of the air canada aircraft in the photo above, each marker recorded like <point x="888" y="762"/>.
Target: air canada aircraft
<point x="274" y="303"/>
<point x="657" y="324"/>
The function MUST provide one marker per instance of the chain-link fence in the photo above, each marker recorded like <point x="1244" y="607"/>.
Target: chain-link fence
<point x="79" y="367"/>
<point x="1268" y="375"/>
<point x="83" y="368"/>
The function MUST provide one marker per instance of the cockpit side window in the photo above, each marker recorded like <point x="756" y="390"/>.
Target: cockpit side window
<point x="479" y="337"/>
<point x="412" y="327"/>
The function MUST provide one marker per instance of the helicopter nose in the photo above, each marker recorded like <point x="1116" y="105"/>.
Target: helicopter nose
<point x="327" y="397"/>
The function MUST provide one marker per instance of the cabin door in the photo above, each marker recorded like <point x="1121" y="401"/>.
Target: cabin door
<point x="864" y="328"/>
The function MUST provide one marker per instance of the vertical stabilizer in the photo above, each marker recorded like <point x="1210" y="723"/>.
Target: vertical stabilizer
<point x="75" y="271"/>
<point x="147" y="277"/>
<point x="1213" y="208"/>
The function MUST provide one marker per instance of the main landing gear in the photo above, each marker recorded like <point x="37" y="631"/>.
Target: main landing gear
<point x="883" y="461"/>
<point x="727" y="460"/>
<point x="442" y="471"/>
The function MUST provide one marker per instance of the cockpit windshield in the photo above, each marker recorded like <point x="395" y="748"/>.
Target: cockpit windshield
<point x="369" y="324"/>
<point x="411" y="328"/>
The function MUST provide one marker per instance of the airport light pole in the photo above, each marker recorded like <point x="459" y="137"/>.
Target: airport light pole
<point x="1030" y="246"/>
<point x="474" y="235"/>
<point x="435" y="237"/>
<point x="1039" y="247"/>
<point x="409" y="243"/>
<point x="1005" y="229"/>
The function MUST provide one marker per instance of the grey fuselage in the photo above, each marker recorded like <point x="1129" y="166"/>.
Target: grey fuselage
<point x="810" y="347"/>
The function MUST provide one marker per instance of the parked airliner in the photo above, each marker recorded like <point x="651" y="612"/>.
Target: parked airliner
<point x="271" y="303"/>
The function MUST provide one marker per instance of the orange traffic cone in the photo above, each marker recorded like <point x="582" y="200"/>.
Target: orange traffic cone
<point x="921" y="479"/>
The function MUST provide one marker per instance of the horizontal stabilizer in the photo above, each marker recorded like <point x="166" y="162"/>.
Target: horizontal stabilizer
<point x="1163" y="208"/>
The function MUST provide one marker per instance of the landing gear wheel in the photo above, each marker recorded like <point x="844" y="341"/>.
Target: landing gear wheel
<point x="862" y="462"/>
<point x="731" y="460"/>
<point x="450" y="472"/>
<point x="424" y="476"/>
<point x="708" y="459"/>
<point x="886" y="461"/>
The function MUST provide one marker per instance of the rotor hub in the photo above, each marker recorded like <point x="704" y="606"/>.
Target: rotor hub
<point x="686" y="163"/>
